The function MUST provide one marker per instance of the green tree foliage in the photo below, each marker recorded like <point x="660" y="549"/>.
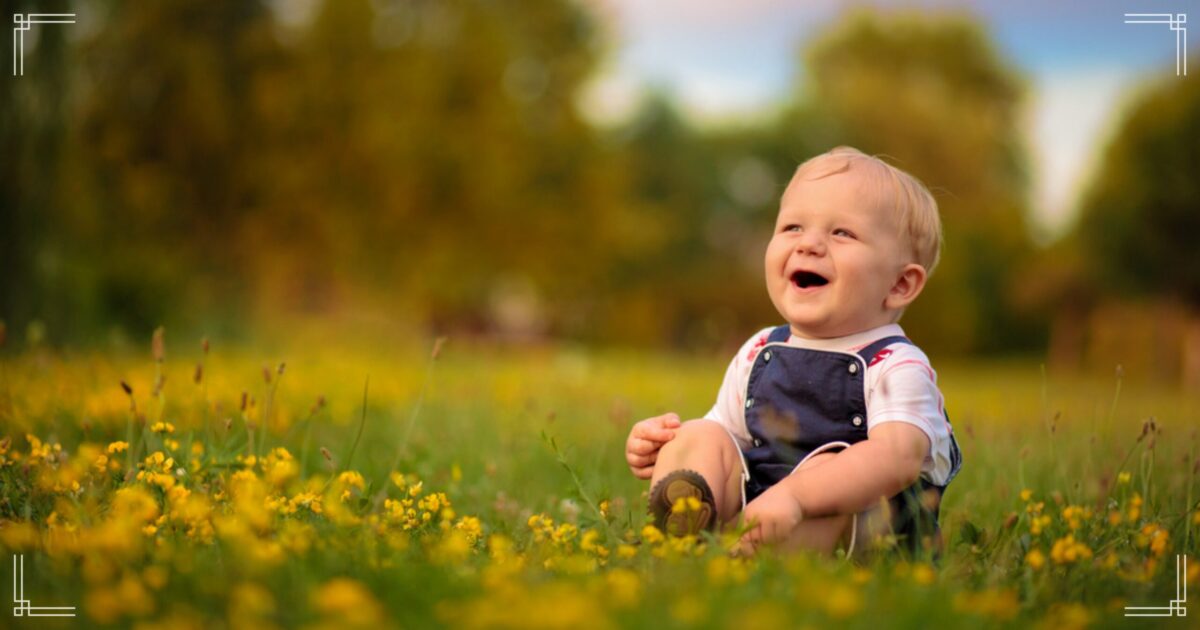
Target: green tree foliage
<point x="1139" y="218"/>
<point x="33" y="122"/>
<point x="931" y="94"/>
<point x="424" y="162"/>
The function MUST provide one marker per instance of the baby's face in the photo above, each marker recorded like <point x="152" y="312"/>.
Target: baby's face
<point x="834" y="258"/>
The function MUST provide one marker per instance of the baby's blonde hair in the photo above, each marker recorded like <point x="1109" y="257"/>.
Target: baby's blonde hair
<point x="914" y="205"/>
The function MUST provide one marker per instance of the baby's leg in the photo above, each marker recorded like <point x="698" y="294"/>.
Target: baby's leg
<point x="819" y="534"/>
<point x="707" y="448"/>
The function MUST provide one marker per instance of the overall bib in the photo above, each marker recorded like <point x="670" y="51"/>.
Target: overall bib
<point x="799" y="400"/>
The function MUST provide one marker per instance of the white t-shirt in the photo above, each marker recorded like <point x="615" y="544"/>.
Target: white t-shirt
<point x="900" y="387"/>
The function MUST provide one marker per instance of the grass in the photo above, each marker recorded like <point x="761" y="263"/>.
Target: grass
<point x="1072" y="502"/>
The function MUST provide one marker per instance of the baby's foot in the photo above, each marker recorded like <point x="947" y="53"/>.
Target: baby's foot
<point x="681" y="503"/>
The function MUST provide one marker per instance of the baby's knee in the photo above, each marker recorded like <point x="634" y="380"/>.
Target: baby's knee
<point x="701" y="431"/>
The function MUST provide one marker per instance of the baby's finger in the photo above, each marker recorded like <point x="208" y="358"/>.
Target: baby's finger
<point x="643" y="447"/>
<point x="640" y="461"/>
<point x="648" y="431"/>
<point x="645" y="472"/>
<point x="671" y="420"/>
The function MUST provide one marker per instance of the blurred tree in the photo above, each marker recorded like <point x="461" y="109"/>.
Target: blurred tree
<point x="33" y="124"/>
<point x="169" y="133"/>
<point x="932" y="95"/>
<point x="440" y="153"/>
<point x="1140" y="215"/>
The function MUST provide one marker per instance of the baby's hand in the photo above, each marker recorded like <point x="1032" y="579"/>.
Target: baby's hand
<point x="645" y="439"/>
<point x="774" y="515"/>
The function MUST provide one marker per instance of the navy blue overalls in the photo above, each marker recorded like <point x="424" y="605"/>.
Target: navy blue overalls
<point x="799" y="399"/>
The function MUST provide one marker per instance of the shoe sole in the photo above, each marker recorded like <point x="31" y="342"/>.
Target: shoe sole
<point x="682" y="484"/>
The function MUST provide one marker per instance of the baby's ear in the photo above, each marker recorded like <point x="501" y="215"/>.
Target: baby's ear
<point x="907" y="287"/>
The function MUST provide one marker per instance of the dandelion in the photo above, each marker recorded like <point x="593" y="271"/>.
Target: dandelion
<point x="1124" y="477"/>
<point x="117" y="447"/>
<point x="1026" y="495"/>
<point x="1035" y="559"/>
<point x="162" y="427"/>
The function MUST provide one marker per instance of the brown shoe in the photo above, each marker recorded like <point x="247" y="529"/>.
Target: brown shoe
<point x="682" y="484"/>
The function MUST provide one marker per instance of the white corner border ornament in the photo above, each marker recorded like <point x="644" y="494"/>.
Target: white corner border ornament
<point x="1178" y="24"/>
<point x="25" y="21"/>
<point x="24" y="608"/>
<point x="1174" y="608"/>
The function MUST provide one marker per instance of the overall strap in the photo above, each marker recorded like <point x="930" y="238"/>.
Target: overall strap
<point x="873" y="348"/>
<point x="780" y="334"/>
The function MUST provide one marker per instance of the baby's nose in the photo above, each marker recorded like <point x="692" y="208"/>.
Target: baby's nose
<point x="811" y="242"/>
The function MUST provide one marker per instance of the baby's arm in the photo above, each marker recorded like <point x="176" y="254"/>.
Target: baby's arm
<point x="845" y="483"/>
<point x="645" y="439"/>
<point x="888" y="461"/>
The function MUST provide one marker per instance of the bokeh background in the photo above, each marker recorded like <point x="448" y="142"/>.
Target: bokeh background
<point x="597" y="171"/>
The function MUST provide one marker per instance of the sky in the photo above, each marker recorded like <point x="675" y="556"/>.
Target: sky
<point x="727" y="60"/>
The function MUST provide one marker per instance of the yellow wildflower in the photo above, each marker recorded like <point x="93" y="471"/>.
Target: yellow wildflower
<point x="1067" y="550"/>
<point x="651" y="535"/>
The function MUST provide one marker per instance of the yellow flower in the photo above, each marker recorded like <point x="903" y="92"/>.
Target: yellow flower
<point x="1026" y="495"/>
<point x="1000" y="604"/>
<point x="1067" y="550"/>
<point x="842" y="601"/>
<point x="162" y="427"/>
<point x="1135" y="507"/>
<point x="923" y="574"/>
<point x="117" y="447"/>
<point x="1154" y="536"/>
<point x="1035" y="559"/>
<point x="347" y="601"/>
<point x="651" y="535"/>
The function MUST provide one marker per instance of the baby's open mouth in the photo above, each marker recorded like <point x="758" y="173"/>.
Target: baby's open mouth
<point x="806" y="279"/>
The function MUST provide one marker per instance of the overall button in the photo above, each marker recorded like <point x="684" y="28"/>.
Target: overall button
<point x="854" y="368"/>
<point x="749" y="403"/>
<point x="767" y="356"/>
<point x="857" y="420"/>
<point x="757" y="442"/>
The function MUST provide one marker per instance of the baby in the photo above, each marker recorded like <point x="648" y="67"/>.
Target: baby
<point x="831" y="426"/>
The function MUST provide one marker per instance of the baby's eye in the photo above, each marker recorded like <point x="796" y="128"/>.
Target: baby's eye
<point x="792" y="227"/>
<point x="843" y="232"/>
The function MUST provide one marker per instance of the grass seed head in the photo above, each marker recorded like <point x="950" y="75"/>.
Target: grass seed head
<point x="204" y="345"/>
<point x="158" y="346"/>
<point x="199" y="375"/>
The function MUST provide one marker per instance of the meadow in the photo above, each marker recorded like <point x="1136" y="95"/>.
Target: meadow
<point x="459" y="484"/>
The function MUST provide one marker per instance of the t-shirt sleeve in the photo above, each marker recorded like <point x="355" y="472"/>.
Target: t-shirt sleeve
<point x="906" y="391"/>
<point x="730" y="410"/>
